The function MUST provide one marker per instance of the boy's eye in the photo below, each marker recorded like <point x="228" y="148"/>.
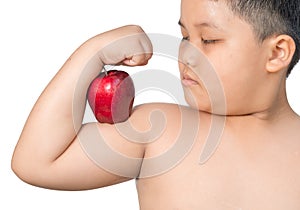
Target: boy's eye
<point x="209" y="41"/>
<point x="204" y="41"/>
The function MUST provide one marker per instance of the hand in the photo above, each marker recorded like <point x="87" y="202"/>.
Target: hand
<point x="127" y="45"/>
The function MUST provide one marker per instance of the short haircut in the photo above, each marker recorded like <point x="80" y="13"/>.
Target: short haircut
<point x="271" y="17"/>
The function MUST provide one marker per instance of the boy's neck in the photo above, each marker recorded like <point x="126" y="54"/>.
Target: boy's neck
<point x="278" y="113"/>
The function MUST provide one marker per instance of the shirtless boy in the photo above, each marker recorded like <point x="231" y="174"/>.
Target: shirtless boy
<point x="252" y="45"/>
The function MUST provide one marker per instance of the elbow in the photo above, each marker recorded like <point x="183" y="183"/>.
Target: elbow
<point x="22" y="170"/>
<point x="19" y="169"/>
<point x="29" y="172"/>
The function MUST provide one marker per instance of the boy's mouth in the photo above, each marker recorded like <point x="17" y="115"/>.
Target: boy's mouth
<point x="187" y="80"/>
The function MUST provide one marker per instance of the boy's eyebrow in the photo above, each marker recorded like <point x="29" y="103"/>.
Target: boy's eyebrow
<point x="204" y="24"/>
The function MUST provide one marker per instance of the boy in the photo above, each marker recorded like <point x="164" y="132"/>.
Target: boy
<point x="252" y="46"/>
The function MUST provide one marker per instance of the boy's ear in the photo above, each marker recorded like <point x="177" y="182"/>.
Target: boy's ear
<point x="282" y="49"/>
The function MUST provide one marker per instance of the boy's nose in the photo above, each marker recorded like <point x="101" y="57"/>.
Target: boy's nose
<point x="191" y="55"/>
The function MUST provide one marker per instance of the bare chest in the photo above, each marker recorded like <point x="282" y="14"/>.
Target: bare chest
<point x="227" y="181"/>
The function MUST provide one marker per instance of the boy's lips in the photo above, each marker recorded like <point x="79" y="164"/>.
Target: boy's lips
<point x="187" y="80"/>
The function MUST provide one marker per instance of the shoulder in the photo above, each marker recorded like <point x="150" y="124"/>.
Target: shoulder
<point x="162" y="125"/>
<point x="156" y="106"/>
<point x="167" y="114"/>
<point x="154" y="111"/>
<point x="168" y="109"/>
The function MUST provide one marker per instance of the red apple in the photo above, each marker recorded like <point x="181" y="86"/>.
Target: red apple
<point x="111" y="96"/>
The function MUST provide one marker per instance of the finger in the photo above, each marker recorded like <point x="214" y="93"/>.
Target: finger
<point x="137" y="60"/>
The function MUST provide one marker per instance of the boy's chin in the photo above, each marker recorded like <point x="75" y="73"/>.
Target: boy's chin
<point x="201" y="107"/>
<point x="207" y="108"/>
<point x="204" y="104"/>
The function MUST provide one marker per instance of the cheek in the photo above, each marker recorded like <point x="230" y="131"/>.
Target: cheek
<point x="241" y="78"/>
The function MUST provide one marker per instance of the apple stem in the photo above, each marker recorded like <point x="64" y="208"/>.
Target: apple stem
<point x="105" y="71"/>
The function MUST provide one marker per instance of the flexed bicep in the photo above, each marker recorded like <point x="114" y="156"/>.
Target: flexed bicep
<point x="99" y="156"/>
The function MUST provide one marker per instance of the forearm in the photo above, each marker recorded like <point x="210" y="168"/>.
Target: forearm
<point x="57" y="115"/>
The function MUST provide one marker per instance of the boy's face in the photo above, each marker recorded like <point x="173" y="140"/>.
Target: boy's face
<point x="237" y="58"/>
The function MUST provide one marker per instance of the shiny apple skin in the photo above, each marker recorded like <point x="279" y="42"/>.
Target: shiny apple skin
<point x="111" y="96"/>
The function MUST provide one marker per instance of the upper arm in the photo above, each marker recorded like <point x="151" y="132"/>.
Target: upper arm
<point x="99" y="156"/>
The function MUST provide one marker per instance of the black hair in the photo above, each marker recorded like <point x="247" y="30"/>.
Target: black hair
<point x="271" y="17"/>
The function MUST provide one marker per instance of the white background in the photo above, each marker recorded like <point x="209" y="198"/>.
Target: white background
<point x="36" y="38"/>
